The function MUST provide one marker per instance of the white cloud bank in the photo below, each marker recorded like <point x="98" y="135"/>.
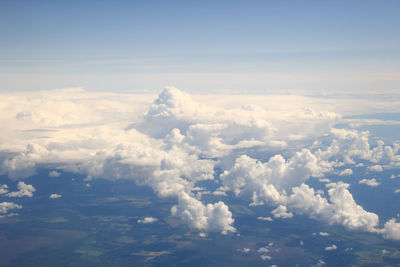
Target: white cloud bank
<point x="266" y="155"/>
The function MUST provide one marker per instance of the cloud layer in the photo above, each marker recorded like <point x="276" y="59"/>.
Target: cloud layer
<point x="265" y="156"/>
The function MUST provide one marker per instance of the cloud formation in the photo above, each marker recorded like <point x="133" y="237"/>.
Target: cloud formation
<point x="370" y="182"/>
<point x="147" y="220"/>
<point x="24" y="190"/>
<point x="265" y="156"/>
<point x="54" y="196"/>
<point x="6" y="206"/>
<point x="329" y="248"/>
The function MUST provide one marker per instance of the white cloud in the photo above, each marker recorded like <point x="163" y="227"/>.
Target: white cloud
<point x="245" y="250"/>
<point x="263" y="250"/>
<point x="370" y="182"/>
<point x="54" y="196"/>
<point x="147" y="220"/>
<point x="6" y="206"/>
<point x="329" y="248"/>
<point x="54" y="174"/>
<point x="319" y="263"/>
<point x="25" y="190"/>
<point x="3" y="189"/>
<point x="324" y="180"/>
<point x="323" y="233"/>
<point x="346" y="172"/>
<point x="269" y="219"/>
<point x="265" y="257"/>
<point x="375" y="168"/>
<point x="266" y="154"/>
<point x="391" y="230"/>
<point x="281" y="212"/>
<point x="210" y="217"/>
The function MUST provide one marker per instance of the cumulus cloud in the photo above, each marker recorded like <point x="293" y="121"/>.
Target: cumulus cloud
<point x="391" y="230"/>
<point x="54" y="196"/>
<point x="319" y="263"/>
<point x="281" y="212"/>
<point x="24" y="190"/>
<point x="329" y="248"/>
<point x="269" y="219"/>
<point x="54" y="174"/>
<point x="370" y="182"/>
<point x="6" y="206"/>
<point x="245" y="250"/>
<point x="210" y="217"/>
<point x="346" y="172"/>
<point x="265" y="257"/>
<point x="147" y="220"/>
<point x="323" y="233"/>
<point x="266" y="156"/>
<point x="375" y="168"/>
<point x="3" y="189"/>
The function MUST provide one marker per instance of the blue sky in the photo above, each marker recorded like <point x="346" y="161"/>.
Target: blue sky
<point x="252" y="46"/>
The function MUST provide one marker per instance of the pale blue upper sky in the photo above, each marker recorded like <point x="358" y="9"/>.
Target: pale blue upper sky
<point x="253" y="46"/>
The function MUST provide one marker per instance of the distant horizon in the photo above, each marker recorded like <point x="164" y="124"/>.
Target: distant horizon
<point x="213" y="45"/>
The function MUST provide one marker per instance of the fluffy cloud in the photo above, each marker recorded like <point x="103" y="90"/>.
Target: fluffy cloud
<point x="346" y="172"/>
<point x="3" y="189"/>
<point x="269" y="219"/>
<point x="210" y="217"/>
<point x="266" y="155"/>
<point x="329" y="248"/>
<point x="375" y="168"/>
<point x="281" y="212"/>
<point x="391" y="230"/>
<point x="54" y="196"/>
<point x="54" y="174"/>
<point x="147" y="220"/>
<point x="24" y="190"/>
<point x="6" y="206"/>
<point x="370" y="182"/>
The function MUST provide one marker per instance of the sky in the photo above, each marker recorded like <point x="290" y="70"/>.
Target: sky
<point x="208" y="46"/>
<point x="271" y="102"/>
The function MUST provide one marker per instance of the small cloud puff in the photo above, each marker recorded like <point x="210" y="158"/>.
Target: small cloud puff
<point x="3" y="189"/>
<point x="376" y="168"/>
<point x="265" y="257"/>
<point x="147" y="220"/>
<point x="346" y="172"/>
<point x="54" y="196"/>
<point x="329" y="248"/>
<point x="320" y="263"/>
<point x="54" y="174"/>
<point x="244" y="250"/>
<point x="269" y="219"/>
<point x="370" y="182"/>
